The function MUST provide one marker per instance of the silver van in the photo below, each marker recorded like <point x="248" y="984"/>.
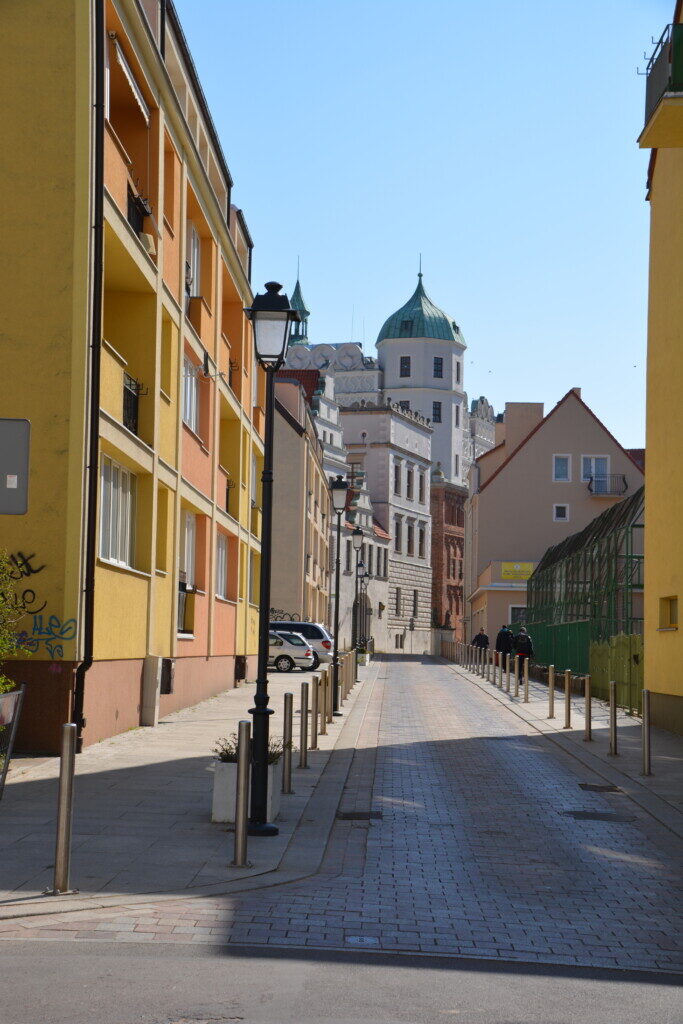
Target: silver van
<point x="315" y="633"/>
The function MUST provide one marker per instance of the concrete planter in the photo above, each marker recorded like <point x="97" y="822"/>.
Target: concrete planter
<point x="225" y="790"/>
<point x="364" y="659"/>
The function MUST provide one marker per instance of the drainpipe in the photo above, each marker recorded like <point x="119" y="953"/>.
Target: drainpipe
<point x="97" y="268"/>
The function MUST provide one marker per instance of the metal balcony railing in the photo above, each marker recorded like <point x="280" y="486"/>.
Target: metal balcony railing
<point x="665" y="68"/>
<point x="608" y="485"/>
<point x="131" y="398"/>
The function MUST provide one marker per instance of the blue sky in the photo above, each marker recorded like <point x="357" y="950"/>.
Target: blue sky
<point x="496" y="138"/>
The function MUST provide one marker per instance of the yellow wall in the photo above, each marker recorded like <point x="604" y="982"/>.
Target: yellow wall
<point x="45" y="299"/>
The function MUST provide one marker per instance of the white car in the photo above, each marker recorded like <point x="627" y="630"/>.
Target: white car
<point x="314" y="633"/>
<point x="287" y="651"/>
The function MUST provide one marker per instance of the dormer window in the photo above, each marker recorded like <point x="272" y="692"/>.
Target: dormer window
<point x="406" y="328"/>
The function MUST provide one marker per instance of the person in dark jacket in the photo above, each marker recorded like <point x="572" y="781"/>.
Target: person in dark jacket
<point x="505" y="641"/>
<point x="481" y="640"/>
<point x="523" y="646"/>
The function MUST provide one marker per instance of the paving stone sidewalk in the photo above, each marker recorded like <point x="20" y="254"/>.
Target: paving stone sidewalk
<point x="461" y="832"/>
<point x="143" y="804"/>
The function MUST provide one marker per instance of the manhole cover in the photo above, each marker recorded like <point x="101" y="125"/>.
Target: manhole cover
<point x="359" y="815"/>
<point x="599" y="816"/>
<point x="362" y="940"/>
<point x="598" y="787"/>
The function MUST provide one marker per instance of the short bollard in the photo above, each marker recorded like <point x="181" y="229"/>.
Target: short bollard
<point x="500" y="670"/>
<point x="551" y="691"/>
<point x="507" y="673"/>
<point x="242" y="794"/>
<point x="488" y="668"/>
<point x="329" y="705"/>
<point x="526" y="681"/>
<point x="567" y="699"/>
<point x="516" y="694"/>
<point x="315" y="690"/>
<point x="647" y="766"/>
<point x="613" y="718"/>
<point x="65" y="806"/>
<point x="322" y="701"/>
<point x="303" y="728"/>
<point x="587" y="711"/>
<point x="287" y="735"/>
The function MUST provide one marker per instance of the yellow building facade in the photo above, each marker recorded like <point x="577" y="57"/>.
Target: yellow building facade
<point x="136" y="565"/>
<point x="663" y="134"/>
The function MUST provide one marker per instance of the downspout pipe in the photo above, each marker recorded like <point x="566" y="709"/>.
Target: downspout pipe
<point x="96" y="276"/>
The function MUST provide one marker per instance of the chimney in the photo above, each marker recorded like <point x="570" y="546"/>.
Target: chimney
<point x="520" y="420"/>
<point x="577" y="392"/>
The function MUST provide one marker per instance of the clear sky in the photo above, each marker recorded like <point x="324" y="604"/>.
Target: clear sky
<point x="496" y="138"/>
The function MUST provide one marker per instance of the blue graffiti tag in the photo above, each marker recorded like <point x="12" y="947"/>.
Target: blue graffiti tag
<point x="52" y="635"/>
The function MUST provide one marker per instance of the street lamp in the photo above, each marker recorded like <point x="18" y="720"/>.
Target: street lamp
<point x="339" y="489"/>
<point x="357" y="541"/>
<point x="363" y="580"/>
<point x="271" y="316"/>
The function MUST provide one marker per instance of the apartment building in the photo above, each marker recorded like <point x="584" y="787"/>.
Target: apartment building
<point x="133" y="361"/>
<point x="300" y="577"/>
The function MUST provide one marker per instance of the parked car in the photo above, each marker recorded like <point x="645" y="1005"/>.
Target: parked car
<point x="288" y="652"/>
<point x="315" y="633"/>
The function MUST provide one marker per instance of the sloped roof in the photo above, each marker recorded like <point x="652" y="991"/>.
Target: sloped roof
<point x="420" y="318"/>
<point x="309" y="380"/>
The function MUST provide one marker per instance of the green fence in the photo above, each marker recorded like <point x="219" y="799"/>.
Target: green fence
<point x="564" y="645"/>
<point x="619" y="659"/>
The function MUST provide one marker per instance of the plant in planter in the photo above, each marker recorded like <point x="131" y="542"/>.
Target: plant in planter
<point x="225" y="778"/>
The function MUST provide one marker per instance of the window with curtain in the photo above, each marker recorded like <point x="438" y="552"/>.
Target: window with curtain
<point x="190" y="395"/>
<point x="188" y="549"/>
<point x="221" y="566"/>
<point x="117" y="513"/>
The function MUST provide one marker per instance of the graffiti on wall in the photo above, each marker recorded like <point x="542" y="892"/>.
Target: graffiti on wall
<point x="48" y="633"/>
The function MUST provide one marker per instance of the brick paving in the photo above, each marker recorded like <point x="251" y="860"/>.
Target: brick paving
<point x="475" y="854"/>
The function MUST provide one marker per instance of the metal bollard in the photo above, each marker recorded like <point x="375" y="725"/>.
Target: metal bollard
<point x="322" y="702"/>
<point x="526" y="681"/>
<point x="315" y="689"/>
<point x="499" y="671"/>
<point x="587" y="710"/>
<point x="507" y="673"/>
<point x="516" y="693"/>
<point x="242" y="795"/>
<point x="488" y="668"/>
<point x="647" y="766"/>
<point x="287" y="744"/>
<point x="551" y="691"/>
<point x="613" y="718"/>
<point x="567" y="699"/>
<point x="330" y="696"/>
<point x="303" y="728"/>
<point x="65" y="806"/>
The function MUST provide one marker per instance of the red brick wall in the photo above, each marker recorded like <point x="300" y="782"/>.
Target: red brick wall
<point x="448" y="537"/>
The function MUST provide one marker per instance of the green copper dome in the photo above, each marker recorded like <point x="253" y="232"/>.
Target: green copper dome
<point x="420" y="318"/>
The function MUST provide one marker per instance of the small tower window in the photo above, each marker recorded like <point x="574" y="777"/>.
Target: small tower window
<point x="438" y="366"/>
<point x="406" y="328"/>
<point x="404" y="366"/>
<point x="436" y="412"/>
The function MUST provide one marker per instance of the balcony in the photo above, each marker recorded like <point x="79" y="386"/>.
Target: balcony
<point x="609" y="486"/>
<point x="664" y="92"/>
<point x="132" y="389"/>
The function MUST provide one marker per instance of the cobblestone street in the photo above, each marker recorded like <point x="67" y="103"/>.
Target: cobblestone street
<point x="461" y="831"/>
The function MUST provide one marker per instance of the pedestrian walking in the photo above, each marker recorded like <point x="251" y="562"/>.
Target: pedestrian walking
<point x="481" y="640"/>
<point x="523" y="646"/>
<point x="505" y="643"/>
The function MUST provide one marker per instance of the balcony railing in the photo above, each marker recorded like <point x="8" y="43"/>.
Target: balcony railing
<point x="132" y="389"/>
<point x="608" y="485"/>
<point x="664" y="68"/>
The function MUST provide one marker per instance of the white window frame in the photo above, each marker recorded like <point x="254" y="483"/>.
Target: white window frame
<point x="568" y="478"/>
<point x="222" y="566"/>
<point x="118" y="491"/>
<point x="188" y="551"/>
<point x="194" y="259"/>
<point x="191" y="395"/>
<point x="584" y="478"/>
<point x="560" y="519"/>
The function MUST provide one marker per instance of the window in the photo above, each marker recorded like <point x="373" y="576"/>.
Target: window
<point x="456" y="464"/>
<point x="386" y="563"/>
<point x="404" y="366"/>
<point x="406" y="328"/>
<point x="457" y="372"/>
<point x="409" y="483"/>
<point x="596" y="468"/>
<point x="371" y="552"/>
<point x="410" y="539"/>
<point x="416" y="595"/>
<point x="436" y="412"/>
<point x="421" y="488"/>
<point x="117" y="513"/>
<point x="438" y="366"/>
<point x="191" y="395"/>
<point x="397" y="536"/>
<point x="561" y="513"/>
<point x="562" y="468"/>
<point x="188" y="549"/>
<point x="399" y="602"/>
<point x="421" y="542"/>
<point x="397" y="477"/>
<point x="517" y="614"/>
<point x="347" y="563"/>
<point x="193" y="283"/>
<point x="222" y="566"/>
<point x="668" y="613"/>
<point x="457" y="415"/>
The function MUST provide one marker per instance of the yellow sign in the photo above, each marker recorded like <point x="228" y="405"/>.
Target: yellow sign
<point x="516" y="570"/>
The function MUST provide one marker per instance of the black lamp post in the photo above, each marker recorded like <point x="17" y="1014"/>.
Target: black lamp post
<point x="271" y="316"/>
<point x="339" y="488"/>
<point x="363" y="580"/>
<point x="357" y="540"/>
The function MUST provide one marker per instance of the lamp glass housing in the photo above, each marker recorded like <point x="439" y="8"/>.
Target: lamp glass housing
<point x="357" y="538"/>
<point x="339" y="488"/>
<point x="271" y="335"/>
